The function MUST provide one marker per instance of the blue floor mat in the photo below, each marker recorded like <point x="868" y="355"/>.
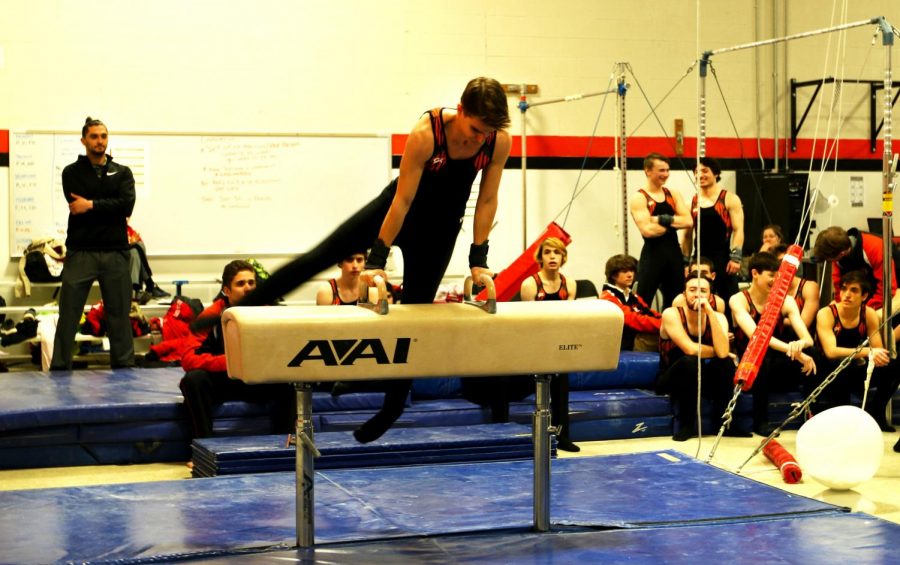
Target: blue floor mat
<point x="836" y="538"/>
<point x="254" y="512"/>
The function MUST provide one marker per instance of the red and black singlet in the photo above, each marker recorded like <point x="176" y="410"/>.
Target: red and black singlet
<point x="848" y="337"/>
<point x="669" y="352"/>
<point x="667" y="206"/>
<point x="542" y="294"/>
<point x="741" y="340"/>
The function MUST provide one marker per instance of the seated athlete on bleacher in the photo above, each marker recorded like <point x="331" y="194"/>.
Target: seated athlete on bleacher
<point x="785" y="364"/>
<point x="853" y="250"/>
<point x="840" y="328"/>
<point x="708" y="270"/>
<point x="550" y="284"/>
<point x="345" y="289"/>
<point x="206" y="384"/>
<point x="804" y="291"/>
<point x="678" y="352"/>
<point x="641" y="329"/>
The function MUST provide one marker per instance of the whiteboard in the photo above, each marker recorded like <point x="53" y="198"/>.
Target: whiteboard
<point x="202" y="194"/>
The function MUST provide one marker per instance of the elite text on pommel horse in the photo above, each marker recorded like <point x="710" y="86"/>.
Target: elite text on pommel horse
<point x="308" y="344"/>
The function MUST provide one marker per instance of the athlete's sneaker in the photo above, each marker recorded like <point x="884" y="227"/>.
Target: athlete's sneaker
<point x="157" y="292"/>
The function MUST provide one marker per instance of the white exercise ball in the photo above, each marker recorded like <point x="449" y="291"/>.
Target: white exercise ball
<point x="840" y="447"/>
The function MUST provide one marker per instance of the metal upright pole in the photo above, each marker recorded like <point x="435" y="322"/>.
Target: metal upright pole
<point x="623" y="153"/>
<point x="523" y="107"/>
<point x="701" y="108"/>
<point x="541" y="437"/>
<point x="887" y="194"/>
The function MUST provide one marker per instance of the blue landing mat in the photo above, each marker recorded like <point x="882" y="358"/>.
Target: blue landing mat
<point x="403" y="446"/>
<point x="228" y="514"/>
<point x="37" y="399"/>
<point x="118" y="416"/>
<point x="839" y="539"/>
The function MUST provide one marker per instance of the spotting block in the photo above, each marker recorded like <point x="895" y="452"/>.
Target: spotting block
<point x="327" y="343"/>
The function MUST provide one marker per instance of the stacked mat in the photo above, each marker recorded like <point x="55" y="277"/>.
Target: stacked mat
<point x="399" y="447"/>
<point x="120" y="416"/>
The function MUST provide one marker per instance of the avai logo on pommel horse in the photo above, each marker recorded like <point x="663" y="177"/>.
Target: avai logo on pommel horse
<point x="346" y="351"/>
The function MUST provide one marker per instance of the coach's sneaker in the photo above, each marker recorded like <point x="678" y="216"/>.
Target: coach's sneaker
<point x="157" y="292"/>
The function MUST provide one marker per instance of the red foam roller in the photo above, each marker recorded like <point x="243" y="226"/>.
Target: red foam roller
<point x="782" y="458"/>
<point x="748" y="368"/>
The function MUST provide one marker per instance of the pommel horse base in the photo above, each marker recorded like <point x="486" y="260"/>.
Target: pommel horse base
<point x="307" y="344"/>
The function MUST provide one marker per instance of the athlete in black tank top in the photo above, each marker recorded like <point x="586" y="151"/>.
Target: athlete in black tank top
<point x="420" y="212"/>
<point x="842" y="326"/>
<point x="658" y="213"/>
<point x="721" y="228"/>
<point x="550" y="284"/>
<point x="343" y="291"/>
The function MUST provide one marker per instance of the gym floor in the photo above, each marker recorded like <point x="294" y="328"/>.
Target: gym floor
<point x="879" y="496"/>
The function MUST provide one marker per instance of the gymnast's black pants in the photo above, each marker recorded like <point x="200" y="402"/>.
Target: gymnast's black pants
<point x="679" y="381"/>
<point x="426" y="239"/>
<point x="660" y="268"/>
<point x="777" y="373"/>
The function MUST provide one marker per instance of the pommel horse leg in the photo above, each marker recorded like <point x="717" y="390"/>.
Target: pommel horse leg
<point x="305" y="469"/>
<point x="540" y="434"/>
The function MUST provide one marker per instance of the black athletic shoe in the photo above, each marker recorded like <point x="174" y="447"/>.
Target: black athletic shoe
<point x="367" y="434"/>
<point x="374" y="428"/>
<point x="157" y="292"/>
<point x="885" y="427"/>
<point x="565" y="444"/>
<point x="684" y="434"/>
<point x="341" y="388"/>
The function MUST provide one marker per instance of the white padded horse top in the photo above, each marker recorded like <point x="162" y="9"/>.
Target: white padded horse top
<point x="270" y="344"/>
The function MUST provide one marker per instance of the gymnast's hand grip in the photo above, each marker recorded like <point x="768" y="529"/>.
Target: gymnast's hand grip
<point x="489" y="305"/>
<point x="381" y="305"/>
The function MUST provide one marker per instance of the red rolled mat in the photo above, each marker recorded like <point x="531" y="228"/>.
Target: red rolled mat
<point x="782" y="458"/>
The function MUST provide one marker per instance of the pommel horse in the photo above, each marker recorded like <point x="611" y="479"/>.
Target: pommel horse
<point x="308" y="344"/>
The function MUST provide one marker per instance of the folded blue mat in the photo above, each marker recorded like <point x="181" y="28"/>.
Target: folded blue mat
<point x="399" y="446"/>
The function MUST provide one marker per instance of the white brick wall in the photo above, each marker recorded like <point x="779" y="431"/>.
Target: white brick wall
<point x="361" y="66"/>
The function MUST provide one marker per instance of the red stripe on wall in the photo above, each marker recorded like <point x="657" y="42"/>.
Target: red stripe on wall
<point x="719" y="147"/>
<point x="4" y="141"/>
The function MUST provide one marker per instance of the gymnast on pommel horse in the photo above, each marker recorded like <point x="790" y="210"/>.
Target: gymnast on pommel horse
<point x="309" y="344"/>
<point x="421" y="212"/>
